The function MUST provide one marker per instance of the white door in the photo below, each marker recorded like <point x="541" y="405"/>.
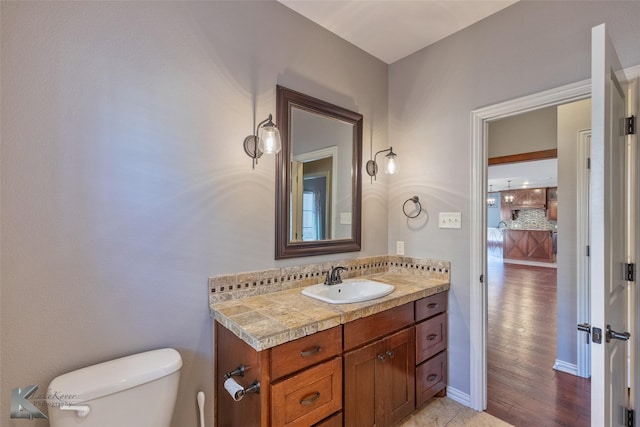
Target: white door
<point x="609" y="297"/>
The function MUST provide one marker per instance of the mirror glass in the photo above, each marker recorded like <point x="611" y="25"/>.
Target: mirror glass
<point x="319" y="177"/>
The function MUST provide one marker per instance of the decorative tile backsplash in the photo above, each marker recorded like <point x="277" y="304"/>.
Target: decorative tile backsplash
<point x="532" y="219"/>
<point x="241" y="285"/>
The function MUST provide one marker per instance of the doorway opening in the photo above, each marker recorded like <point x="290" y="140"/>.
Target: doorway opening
<point x="531" y="300"/>
<point x="480" y="134"/>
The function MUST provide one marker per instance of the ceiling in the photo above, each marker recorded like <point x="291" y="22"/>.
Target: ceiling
<point x="393" y="29"/>
<point x="535" y="174"/>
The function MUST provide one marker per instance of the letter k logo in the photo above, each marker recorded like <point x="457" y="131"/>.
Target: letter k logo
<point x="21" y="407"/>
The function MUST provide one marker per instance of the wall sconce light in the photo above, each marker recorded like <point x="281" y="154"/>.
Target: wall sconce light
<point x="390" y="164"/>
<point x="509" y="197"/>
<point x="266" y="140"/>
<point x="491" y="201"/>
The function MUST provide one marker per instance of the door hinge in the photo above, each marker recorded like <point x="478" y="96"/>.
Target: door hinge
<point x="631" y="419"/>
<point x="588" y="250"/>
<point x="630" y="272"/>
<point x="630" y="125"/>
<point x="588" y="162"/>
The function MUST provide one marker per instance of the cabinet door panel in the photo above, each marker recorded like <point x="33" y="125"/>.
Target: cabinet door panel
<point x="360" y="387"/>
<point x="399" y="350"/>
<point x="515" y="244"/>
<point x="539" y="245"/>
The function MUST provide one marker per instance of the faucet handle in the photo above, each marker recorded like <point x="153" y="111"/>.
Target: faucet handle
<point x="327" y="277"/>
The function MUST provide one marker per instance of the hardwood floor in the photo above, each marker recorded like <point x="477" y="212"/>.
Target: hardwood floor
<point x="523" y="388"/>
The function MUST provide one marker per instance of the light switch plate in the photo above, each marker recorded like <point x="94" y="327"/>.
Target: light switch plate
<point x="399" y="247"/>
<point x="450" y="220"/>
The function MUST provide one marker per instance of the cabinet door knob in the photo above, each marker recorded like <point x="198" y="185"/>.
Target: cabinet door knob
<point x="390" y="353"/>
<point x="381" y="357"/>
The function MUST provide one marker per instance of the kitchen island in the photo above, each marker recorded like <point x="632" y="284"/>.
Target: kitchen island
<point x="528" y="245"/>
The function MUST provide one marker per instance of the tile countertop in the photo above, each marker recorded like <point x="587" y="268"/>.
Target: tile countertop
<point x="268" y="320"/>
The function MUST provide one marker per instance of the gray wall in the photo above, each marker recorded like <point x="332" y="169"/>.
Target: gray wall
<point x="526" y="48"/>
<point x="124" y="183"/>
<point x="524" y="133"/>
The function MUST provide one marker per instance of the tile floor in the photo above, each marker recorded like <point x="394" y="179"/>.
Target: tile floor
<point x="442" y="411"/>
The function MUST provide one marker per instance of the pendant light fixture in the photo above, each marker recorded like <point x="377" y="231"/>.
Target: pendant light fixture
<point x="491" y="201"/>
<point x="509" y="196"/>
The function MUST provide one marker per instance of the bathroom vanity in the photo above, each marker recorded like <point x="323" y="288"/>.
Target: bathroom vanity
<point x="322" y="364"/>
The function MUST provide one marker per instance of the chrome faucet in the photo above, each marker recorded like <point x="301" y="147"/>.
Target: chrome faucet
<point x="333" y="277"/>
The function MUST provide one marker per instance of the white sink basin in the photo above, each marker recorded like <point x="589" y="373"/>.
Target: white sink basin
<point x="349" y="291"/>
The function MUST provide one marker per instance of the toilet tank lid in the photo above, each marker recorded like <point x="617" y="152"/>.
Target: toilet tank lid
<point x="113" y="376"/>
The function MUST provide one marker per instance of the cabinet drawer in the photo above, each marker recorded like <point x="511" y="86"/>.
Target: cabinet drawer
<point x="307" y="397"/>
<point x="332" y="421"/>
<point x="431" y="378"/>
<point x="295" y="355"/>
<point x="432" y="305"/>
<point x="377" y="325"/>
<point x="431" y="337"/>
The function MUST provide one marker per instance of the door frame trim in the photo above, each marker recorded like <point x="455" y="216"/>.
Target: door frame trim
<point x="582" y="273"/>
<point x="480" y="119"/>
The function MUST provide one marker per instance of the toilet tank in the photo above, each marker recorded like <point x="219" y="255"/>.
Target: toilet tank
<point x="137" y="391"/>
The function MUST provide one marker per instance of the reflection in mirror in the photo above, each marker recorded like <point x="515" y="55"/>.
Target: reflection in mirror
<point x="321" y="152"/>
<point x="318" y="185"/>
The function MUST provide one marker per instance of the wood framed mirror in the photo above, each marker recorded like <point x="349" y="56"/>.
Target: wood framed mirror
<point x="318" y="177"/>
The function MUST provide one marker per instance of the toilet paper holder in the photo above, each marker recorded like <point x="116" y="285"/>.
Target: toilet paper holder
<point x="253" y="388"/>
<point x="239" y="372"/>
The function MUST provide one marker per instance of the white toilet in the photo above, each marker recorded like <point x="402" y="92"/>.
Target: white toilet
<point x="133" y="391"/>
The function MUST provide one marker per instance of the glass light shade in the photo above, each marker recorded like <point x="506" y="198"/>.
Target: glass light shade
<point x="390" y="164"/>
<point x="269" y="139"/>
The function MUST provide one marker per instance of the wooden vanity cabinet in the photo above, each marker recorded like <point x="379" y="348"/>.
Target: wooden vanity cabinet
<point x="372" y="371"/>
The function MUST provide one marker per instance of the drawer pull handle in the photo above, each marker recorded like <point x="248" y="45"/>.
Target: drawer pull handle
<point x="310" y="400"/>
<point x="432" y="377"/>
<point x="307" y="353"/>
<point x="390" y="353"/>
<point x="432" y="337"/>
<point x="432" y="305"/>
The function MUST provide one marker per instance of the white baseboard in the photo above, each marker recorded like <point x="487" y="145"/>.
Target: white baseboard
<point x="569" y="368"/>
<point x="458" y="396"/>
